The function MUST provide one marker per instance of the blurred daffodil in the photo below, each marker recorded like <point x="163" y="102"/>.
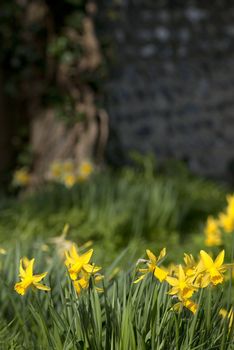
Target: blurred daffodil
<point x="61" y="243"/>
<point x="69" y="180"/>
<point x="84" y="171"/>
<point x="68" y="166"/>
<point x="22" y="177"/>
<point x="188" y="303"/>
<point x="3" y="251"/>
<point x="212" y="232"/>
<point x="229" y="315"/>
<point x="56" y="170"/>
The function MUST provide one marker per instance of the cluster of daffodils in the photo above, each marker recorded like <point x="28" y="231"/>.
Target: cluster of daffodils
<point x="184" y="281"/>
<point x="80" y="270"/>
<point x="22" y="178"/>
<point x="187" y="279"/>
<point x="68" y="173"/>
<point x="65" y="172"/>
<point x="223" y="223"/>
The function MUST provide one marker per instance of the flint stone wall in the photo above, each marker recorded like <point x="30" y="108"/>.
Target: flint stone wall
<point x="171" y="90"/>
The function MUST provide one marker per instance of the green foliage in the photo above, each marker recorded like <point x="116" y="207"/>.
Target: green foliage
<point x="116" y="208"/>
<point x="125" y="316"/>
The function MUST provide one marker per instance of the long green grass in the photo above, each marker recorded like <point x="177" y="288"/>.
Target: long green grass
<point x="116" y="208"/>
<point x="124" y="316"/>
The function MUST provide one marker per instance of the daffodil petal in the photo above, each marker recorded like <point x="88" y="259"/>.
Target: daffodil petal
<point x="151" y="256"/>
<point x="162" y="254"/>
<point x="41" y="286"/>
<point x="29" y="268"/>
<point x="219" y="260"/>
<point x="38" y="278"/>
<point x="160" y="274"/>
<point x="172" y="281"/>
<point x="19" y="288"/>
<point x="206" y="259"/>
<point x="91" y="268"/>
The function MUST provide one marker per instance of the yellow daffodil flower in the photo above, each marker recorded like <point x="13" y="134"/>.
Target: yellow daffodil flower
<point x="21" y="177"/>
<point x="212" y="270"/>
<point x="98" y="278"/>
<point x="226" y="221"/>
<point x="69" y="180"/>
<point x="213" y="240"/>
<point x="181" y="285"/>
<point x="212" y="232"/>
<point x="230" y="201"/>
<point x="3" y="251"/>
<point x="85" y="170"/>
<point x="28" y="279"/>
<point x="188" y="303"/>
<point x="190" y="265"/>
<point x="158" y="272"/>
<point x="84" y="280"/>
<point x="76" y="263"/>
<point x="61" y="243"/>
<point x="56" y="170"/>
<point x="230" y="315"/>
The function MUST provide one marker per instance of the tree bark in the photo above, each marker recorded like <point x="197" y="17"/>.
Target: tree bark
<point x="6" y="131"/>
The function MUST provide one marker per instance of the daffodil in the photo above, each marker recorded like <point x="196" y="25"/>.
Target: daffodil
<point x="69" y="180"/>
<point x="22" y="177"/>
<point x="61" y="243"/>
<point x="181" y="285"/>
<point x="83" y="282"/>
<point x="80" y="269"/>
<point x="2" y="251"/>
<point x="212" y="232"/>
<point x="212" y="271"/>
<point x="226" y="221"/>
<point x="84" y="171"/>
<point x="188" y="303"/>
<point x="152" y="264"/>
<point x="76" y="263"/>
<point x="28" y="279"/>
<point x="230" y="206"/>
<point x="56" y="170"/>
<point x="229" y="315"/>
<point x="190" y="265"/>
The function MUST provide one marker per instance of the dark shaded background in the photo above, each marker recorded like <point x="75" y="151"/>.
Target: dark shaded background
<point x="162" y="70"/>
